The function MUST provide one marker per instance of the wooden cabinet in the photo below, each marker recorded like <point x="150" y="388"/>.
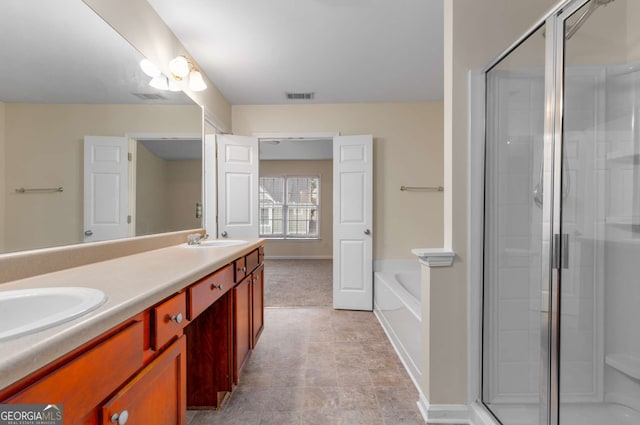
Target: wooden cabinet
<point x="156" y="395"/>
<point x="187" y="350"/>
<point x="84" y="382"/>
<point x="257" y="304"/>
<point x="248" y="305"/>
<point x="242" y="326"/>
<point x="221" y="335"/>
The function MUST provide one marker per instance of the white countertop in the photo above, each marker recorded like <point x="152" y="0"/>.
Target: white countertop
<point x="132" y="284"/>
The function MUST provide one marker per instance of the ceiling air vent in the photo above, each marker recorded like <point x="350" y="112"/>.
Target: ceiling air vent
<point x="300" y="96"/>
<point x="149" y="96"/>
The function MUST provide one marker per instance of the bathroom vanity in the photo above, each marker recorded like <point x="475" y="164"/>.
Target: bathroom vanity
<point x="151" y="350"/>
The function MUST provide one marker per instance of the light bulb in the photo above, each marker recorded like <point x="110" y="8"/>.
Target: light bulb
<point x="196" y="82"/>
<point x="179" y="67"/>
<point x="149" y="68"/>
<point x="160" y="82"/>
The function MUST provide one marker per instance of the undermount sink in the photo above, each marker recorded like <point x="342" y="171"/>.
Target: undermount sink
<point x="218" y="243"/>
<point x="26" y="311"/>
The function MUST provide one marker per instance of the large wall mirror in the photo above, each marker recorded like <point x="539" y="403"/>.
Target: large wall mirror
<point x="65" y="75"/>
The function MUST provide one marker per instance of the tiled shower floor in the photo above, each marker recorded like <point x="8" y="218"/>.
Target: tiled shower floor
<point x="319" y="366"/>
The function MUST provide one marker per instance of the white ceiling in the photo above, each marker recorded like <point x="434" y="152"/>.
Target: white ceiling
<point x="174" y="149"/>
<point x="343" y="50"/>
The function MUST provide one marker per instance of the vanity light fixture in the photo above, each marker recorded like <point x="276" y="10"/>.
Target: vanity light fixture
<point x="158" y="80"/>
<point x="161" y="82"/>
<point x="181" y="67"/>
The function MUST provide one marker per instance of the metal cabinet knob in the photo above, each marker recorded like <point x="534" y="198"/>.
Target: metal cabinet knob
<point x="224" y="234"/>
<point x="177" y="318"/>
<point x="214" y="286"/>
<point x="367" y="232"/>
<point x="88" y="233"/>
<point x="120" y="418"/>
<point x="243" y="269"/>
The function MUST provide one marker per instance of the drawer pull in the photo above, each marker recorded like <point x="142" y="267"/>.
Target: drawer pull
<point x="177" y="318"/>
<point x="243" y="269"/>
<point x="214" y="286"/>
<point x="120" y="418"/>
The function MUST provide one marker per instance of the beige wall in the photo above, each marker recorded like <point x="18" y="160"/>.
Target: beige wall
<point x="166" y="193"/>
<point x="151" y="192"/>
<point x="407" y="151"/>
<point x="139" y="23"/>
<point x="323" y="247"/>
<point x="475" y="32"/>
<point x="184" y="189"/>
<point x="44" y="147"/>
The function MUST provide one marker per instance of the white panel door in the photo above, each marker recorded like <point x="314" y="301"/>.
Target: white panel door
<point x="106" y="199"/>
<point x="238" y="168"/>
<point x="352" y="222"/>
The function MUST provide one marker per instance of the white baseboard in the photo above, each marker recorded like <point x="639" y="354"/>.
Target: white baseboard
<point x="301" y="257"/>
<point x="443" y="413"/>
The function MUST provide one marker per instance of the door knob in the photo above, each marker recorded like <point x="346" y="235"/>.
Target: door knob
<point x="367" y="232"/>
<point x="224" y="234"/>
<point x="88" y="233"/>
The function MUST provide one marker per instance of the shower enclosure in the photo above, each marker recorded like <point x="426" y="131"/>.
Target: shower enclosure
<point x="561" y="263"/>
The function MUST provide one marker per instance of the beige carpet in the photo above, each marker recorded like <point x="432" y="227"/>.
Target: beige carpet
<point x="295" y="283"/>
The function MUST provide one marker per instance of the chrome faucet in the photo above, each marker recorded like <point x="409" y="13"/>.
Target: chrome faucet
<point x="196" y="238"/>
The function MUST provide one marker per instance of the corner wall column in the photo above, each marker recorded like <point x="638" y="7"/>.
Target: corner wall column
<point x="441" y="338"/>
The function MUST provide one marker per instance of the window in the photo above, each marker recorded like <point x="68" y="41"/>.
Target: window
<point x="289" y="207"/>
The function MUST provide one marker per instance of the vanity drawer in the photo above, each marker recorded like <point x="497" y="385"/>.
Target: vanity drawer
<point x="240" y="269"/>
<point x="206" y="291"/>
<point x="252" y="260"/>
<point x="168" y="319"/>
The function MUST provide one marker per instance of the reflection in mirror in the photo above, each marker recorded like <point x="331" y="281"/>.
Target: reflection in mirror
<point x="71" y="77"/>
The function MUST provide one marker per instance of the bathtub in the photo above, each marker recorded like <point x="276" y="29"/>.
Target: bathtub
<point x="397" y="295"/>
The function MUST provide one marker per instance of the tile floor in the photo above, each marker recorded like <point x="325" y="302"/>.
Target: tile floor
<point x="298" y="283"/>
<point x="319" y="366"/>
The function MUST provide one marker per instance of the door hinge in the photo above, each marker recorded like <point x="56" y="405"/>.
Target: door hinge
<point x="129" y="156"/>
<point x="560" y="253"/>
<point x="128" y="219"/>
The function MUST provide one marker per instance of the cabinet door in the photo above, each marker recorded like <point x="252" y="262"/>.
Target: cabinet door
<point x="257" y="304"/>
<point x="242" y="326"/>
<point x="157" y="395"/>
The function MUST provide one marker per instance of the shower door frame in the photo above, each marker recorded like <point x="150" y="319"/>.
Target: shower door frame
<point x="552" y="264"/>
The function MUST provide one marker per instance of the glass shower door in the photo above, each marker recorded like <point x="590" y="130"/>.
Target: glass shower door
<point x="514" y="302"/>
<point x="599" y="373"/>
